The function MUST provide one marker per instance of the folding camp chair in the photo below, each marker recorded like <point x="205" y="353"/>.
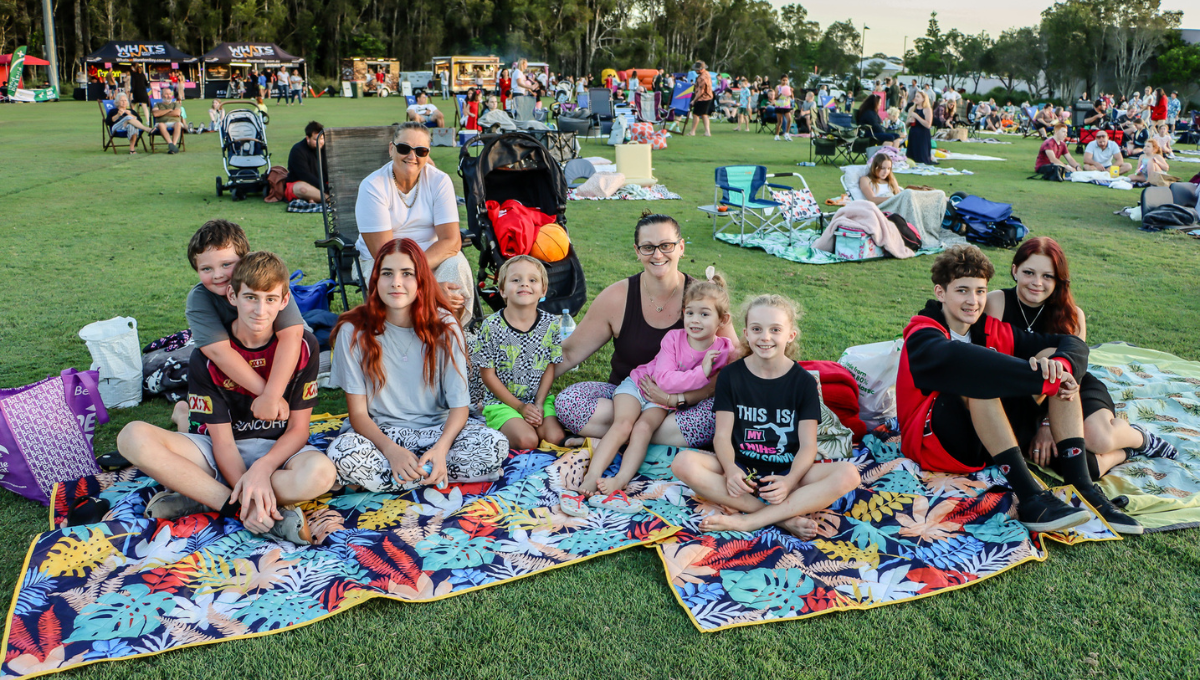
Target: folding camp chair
<point x="154" y="124"/>
<point x="460" y="110"/>
<point x="961" y="121"/>
<point x="522" y="107"/>
<point x="742" y="189"/>
<point x="601" y="102"/>
<point x="107" y="137"/>
<point x="647" y="108"/>
<point x="767" y="117"/>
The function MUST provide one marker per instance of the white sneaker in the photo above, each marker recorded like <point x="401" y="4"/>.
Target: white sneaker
<point x="777" y="138"/>
<point x="787" y="138"/>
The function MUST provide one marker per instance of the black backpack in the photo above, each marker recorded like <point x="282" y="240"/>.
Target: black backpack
<point x="907" y="233"/>
<point x="1169" y="216"/>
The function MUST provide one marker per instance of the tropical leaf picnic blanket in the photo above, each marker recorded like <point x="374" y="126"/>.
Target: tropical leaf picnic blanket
<point x="1161" y="392"/>
<point x="131" y="587"/>
<point x="902" y="535"/>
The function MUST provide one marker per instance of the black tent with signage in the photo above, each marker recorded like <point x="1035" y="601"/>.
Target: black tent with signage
<point x="160" y="56"/>
<point x="220" y="63"/>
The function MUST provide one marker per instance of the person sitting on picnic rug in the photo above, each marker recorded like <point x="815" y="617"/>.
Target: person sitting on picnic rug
<point x="963" y="395"/>
<point x="636" y="313"/>
<point x="401" y="359"/>
<point x="269" y="463"/>
<point x="410" y="197"/>
<point x="1041" y="302"/>
<point x="767" y="409"/>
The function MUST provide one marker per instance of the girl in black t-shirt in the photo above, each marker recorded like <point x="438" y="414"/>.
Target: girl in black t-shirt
<point x="767" y="409"/>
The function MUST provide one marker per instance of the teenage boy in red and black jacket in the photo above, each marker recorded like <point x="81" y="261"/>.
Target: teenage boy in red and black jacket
<point x="967" y="379"/>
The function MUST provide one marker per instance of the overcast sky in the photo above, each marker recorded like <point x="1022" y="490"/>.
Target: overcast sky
<point x="891" y="20"/>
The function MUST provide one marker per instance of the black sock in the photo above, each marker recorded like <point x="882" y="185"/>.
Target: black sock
<point x="1012" y="464"/>
<point x="231" y="510"/>
<point x="1074" y="462"/>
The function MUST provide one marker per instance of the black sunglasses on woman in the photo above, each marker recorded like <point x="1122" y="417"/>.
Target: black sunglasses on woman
<point x="404" y="149"/>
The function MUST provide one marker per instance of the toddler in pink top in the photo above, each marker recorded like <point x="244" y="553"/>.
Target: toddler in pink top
<point x="687" y="360"/>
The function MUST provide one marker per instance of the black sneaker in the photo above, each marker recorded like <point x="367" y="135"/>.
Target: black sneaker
<point x="1154" y="446"/>
<point x="113" y="460"/>
<point x="1044" y="512"/>
<point x="87" y="511"/>
<point x="171" y="149"/>
<point x="1119" y="521"/>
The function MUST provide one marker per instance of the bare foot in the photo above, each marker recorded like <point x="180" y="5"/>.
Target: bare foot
<point x="735" y="522"/>
<point x="588" y="485"/>
<point x="608" y="485"/>
<point x="179" y="416"/>
<point x="575" y="443"/>
<point x="800" y="527"/>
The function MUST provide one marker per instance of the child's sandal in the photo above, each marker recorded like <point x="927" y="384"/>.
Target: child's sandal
<point x="616" y="501"/>
<point x="575" y="506"/>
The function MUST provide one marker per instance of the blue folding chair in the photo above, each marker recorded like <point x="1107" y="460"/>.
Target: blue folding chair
<point x="460" y="110"/>
<point x="107" y="136"/>
<point x="743" y="189"/>
<point x="170" y="127"/>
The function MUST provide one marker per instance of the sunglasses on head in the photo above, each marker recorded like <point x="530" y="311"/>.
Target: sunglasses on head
<point x="404" y="149"/>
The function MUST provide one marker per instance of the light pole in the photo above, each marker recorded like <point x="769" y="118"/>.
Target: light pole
<point x="51" y="50"/>
<point x="862" y="46"/>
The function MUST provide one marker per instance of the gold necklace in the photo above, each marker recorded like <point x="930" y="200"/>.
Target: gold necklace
<point x="416" y="191"/>
<point x="664" y="304"/>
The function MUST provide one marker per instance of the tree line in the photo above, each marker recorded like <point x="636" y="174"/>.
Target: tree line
<point x="1093" y="41"/>
<point x="1078" y="46"/>
<point x="575" y="36"/>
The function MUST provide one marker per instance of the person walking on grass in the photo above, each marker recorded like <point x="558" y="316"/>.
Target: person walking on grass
<point x="767" y="409"/>
<point x="702" y="99"/>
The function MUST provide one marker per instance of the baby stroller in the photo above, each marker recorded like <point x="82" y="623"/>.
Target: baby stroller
<point x="516" y="166"/>
<point x="244" y="151"/>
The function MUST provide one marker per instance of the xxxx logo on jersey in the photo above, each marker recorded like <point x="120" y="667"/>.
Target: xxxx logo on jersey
<point x="310" y="390"/>
<point x="200" y="404"/>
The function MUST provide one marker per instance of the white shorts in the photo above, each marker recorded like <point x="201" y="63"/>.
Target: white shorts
<point x="251" y="449"/>
<point x="628" y="386"/>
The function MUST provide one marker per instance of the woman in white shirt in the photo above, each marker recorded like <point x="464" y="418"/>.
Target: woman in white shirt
<point x="401" y="360"/>
<point x="409" y="197"/>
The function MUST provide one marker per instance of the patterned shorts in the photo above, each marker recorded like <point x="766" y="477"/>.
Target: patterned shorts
<point x="576" y="405"/>
<point x="475" y="456"/>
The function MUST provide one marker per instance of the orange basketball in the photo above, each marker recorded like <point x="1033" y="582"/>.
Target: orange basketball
<point x="552" y="244"/>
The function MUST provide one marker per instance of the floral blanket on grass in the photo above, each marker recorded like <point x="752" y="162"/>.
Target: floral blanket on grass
<point x="902" y="535"/>
<point x="1161" y="392"/>
<point x="130" y="586"/>
<point x="798" y="247"/>
<point x="631" y="192"/>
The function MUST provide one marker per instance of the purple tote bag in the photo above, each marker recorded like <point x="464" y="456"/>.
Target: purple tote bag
<point x="46" y="432"/>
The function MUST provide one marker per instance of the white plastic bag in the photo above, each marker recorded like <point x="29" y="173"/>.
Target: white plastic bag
<point x="874" y="368"/>
<point x="117" y="353"/>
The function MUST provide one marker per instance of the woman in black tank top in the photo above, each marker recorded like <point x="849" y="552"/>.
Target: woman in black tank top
<point x="635" y="314"/>
<point x="1041" y="302"/>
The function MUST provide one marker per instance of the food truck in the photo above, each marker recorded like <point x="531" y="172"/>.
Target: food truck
<point x="366" y="76"/>
<point x="466" y="72"/>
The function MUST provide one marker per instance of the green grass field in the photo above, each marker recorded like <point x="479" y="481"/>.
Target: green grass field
<point x="91" y="235"/>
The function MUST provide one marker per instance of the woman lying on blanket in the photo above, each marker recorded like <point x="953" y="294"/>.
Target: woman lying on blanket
<point x="1041" y="302"/>
<point x="400" y="358"/>
<point x="636" y="313"/>
<point x="767" y="410"/>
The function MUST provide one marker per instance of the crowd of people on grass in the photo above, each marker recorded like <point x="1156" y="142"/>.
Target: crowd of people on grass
<point x="985" y="378"/>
